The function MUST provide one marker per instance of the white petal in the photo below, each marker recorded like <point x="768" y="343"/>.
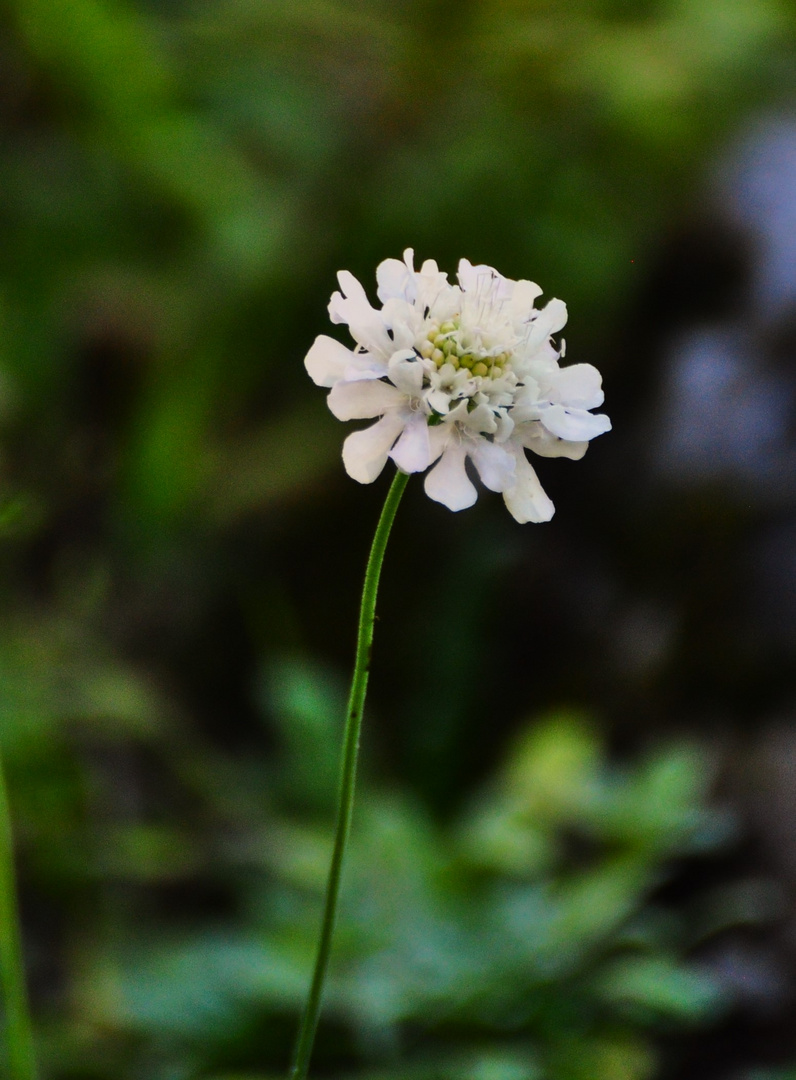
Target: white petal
<point x="526" y="501"/>
<point x="467" y="275"/>
<point x="406" y="372"/>
<point x="352" y="287"/>
<point x="472" y="278"/>
<point x="362" y="399"/>
<point x="396" y="278"/>
<point x="560" y="448"/>
<point x="538" y="439"/>
<point x="327" y="360"/>
<point x="435" y="292"/>
<point x="505" y="427"/>
<point x="439" y="401"/>
<point x="574" y="424"/>
<point x="404" y="323"/>
<point x="481" y="419"/>
<point x="458" y="414"/>
<point x="579" y="386"/>
<point x="448" y="482"/>
<point x="365" y="452"/>
<point x="522" y="298"/>
<point x="550" y="320"/>
<point x="351" y="302"/>
<point x="364" y="366"/>
<point x="528" y="393"/>
<point x="495" y="466"/>
<point x="438" y="438"/>
<point x="352" y="307"/>
<point x="412" y="452"/>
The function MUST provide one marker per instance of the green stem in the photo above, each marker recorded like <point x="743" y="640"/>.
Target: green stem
<point x="18" y="1029"/>
<point x="348" y="769"/>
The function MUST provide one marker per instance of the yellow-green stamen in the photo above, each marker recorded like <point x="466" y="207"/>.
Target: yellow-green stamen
<point x="446" y="343"/>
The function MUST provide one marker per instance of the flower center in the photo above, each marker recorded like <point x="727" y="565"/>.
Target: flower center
<point x="448" y="343"/>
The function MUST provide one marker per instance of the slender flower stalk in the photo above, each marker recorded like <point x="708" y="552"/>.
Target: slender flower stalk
<point x="18" y="1029"/>
<point x="451" y="373"/>
<point x="348" y="768"/>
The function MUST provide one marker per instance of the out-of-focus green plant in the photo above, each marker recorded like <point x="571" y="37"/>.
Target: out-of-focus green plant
<point x="771" y="1074"/>
<point x="521" y="940"/>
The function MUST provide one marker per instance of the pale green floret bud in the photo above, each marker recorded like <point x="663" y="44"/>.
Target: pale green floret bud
<point x="426" y="350"/>
<point x="454" y="359"/>
<point x="448" y="327"/>
<point x="449" y="346"/>
<point x="439" y="340"/>
<point x="480" y="368"/>
<point x="438" y="356"/>
<point x="467" y="361"/>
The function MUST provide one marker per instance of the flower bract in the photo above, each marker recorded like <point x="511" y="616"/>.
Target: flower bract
<point x="456" y="371"/>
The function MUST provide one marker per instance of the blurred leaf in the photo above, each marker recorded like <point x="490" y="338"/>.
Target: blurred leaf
<point x="658" y="985"/>
<point x="554" y="769"/>
<point x="276" y="463"/>
<point x="308" y="703"/>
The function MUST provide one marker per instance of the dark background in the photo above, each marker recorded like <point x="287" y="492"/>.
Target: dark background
<point x="575" y="846"/>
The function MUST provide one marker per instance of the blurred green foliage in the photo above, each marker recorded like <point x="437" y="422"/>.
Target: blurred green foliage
<point x="180" y="181"/>
<point x="518" y="940"/>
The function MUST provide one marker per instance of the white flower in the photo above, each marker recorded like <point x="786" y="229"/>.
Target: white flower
<point x="456" y="372"/>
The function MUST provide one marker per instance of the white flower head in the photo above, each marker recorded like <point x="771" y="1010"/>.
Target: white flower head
<point x="455" y="372"/>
